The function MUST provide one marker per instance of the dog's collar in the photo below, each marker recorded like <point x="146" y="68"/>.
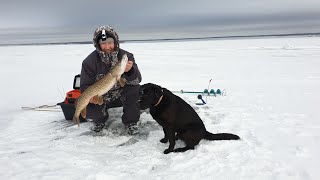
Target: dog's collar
<point x="160" y="99"/>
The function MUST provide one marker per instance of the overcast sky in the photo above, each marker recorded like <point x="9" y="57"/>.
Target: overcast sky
<point x="159" y="16"/>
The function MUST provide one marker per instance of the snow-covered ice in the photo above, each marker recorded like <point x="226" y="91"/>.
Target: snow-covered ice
<point x="272" y="103"/>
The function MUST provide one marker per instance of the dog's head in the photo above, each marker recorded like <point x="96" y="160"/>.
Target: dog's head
<point x="149" y="95"/>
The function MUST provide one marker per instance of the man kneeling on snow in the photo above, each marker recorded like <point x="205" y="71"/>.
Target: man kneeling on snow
<point x="99" y="63"/>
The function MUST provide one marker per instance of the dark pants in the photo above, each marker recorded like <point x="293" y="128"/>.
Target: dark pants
<point x="128" y="100"/>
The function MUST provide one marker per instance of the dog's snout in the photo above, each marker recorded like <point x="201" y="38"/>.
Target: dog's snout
<point x="139" y="98"/>
<point x="138" y="103"/>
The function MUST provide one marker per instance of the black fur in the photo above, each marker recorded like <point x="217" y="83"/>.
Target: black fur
<point x="178" y="118"/>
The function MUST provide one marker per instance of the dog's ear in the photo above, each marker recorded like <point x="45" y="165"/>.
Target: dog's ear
<point x="158" y="91"/>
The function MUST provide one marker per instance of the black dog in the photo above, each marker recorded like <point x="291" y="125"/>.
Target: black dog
<point x="178" y="118"/>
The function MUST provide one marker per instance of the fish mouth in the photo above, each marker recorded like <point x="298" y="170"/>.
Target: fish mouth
<point x="123" y="64"/>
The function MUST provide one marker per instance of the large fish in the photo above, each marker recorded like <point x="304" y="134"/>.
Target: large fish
<point x="99" y="88"/>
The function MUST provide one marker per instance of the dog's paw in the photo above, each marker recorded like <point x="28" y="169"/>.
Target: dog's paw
<point x="164" y="140"/>
<point x="167" y="151"/>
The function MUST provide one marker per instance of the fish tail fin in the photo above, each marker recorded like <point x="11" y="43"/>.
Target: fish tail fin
<point x="76" y="115"/>
<point x="76" y="119"/>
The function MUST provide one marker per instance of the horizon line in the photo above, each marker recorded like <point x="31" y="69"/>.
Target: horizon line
<point x="170" y="39"/>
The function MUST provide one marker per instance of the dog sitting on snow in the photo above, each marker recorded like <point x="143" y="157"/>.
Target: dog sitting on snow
<point x="178" y="118"/>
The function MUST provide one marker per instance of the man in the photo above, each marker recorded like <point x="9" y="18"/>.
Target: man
<point x="96" y="65"/>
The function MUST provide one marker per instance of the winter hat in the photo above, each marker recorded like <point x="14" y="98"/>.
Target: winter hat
<point x="102" y="34"/>
<point x="109" y="33"/>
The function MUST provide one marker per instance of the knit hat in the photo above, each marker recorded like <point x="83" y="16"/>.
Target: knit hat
<point x="103" y="33"/>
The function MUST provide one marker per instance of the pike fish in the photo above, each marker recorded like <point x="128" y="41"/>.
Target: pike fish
<point x="99" y="88"/>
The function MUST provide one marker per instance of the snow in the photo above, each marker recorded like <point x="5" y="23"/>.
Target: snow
<point x="272" y="103"/>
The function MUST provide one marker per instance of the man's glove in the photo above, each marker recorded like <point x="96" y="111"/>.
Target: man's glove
<point x="96" y="100"/>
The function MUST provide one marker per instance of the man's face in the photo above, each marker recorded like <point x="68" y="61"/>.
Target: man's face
<point x="107" y="47"/>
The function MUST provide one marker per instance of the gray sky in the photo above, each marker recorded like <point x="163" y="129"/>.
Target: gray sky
<point x="132" y="17"/>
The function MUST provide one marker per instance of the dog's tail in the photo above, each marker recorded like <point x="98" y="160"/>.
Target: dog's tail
<point x="220" y="136"/>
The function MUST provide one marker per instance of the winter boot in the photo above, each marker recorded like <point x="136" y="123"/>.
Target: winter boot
<point x="97" y="127"/>
<point x="132" y="128"/>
